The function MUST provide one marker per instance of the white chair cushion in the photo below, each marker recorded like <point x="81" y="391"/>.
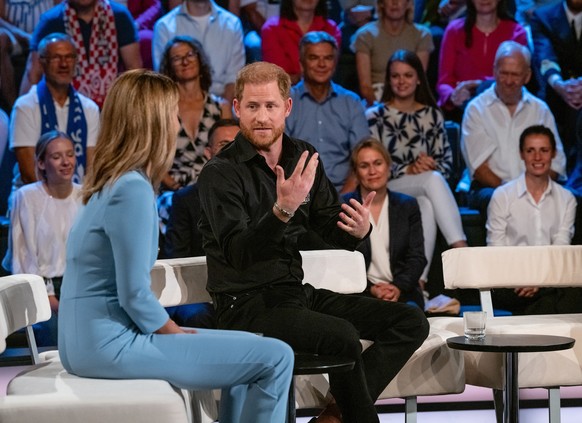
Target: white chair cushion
<point x="433" y="369"/>
<point x="511" y="267"/>
<point x="49" y="394"/>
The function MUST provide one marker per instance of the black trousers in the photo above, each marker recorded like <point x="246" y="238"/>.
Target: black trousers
<point x="324" y="322"/>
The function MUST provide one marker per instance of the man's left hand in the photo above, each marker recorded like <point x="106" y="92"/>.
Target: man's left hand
<point x="355" y="217"/>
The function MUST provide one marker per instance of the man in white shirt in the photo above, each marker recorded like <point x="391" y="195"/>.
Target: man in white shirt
<point x="53" y="104"/>
<point x="219" y="32"/>
<point x="494" y="121"/>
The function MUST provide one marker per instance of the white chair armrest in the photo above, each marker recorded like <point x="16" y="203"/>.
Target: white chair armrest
<point x="340" y="271"/>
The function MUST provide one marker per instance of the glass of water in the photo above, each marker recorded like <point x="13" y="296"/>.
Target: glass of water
<point x="475" y="322"/>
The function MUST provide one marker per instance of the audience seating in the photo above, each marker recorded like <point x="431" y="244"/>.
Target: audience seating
<point x="487" y="268"/>
<point x="47" y="392"/>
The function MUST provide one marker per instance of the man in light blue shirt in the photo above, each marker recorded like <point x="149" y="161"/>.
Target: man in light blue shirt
<point x="220" y="33"/>
<point x="325" y="114"/>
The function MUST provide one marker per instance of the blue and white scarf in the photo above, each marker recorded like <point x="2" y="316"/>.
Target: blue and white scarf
<point x="76" y="124"/>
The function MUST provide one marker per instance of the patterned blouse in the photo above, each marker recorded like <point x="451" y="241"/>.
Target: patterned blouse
<point x="189" y="158"/>
<point x="406" y="135"/>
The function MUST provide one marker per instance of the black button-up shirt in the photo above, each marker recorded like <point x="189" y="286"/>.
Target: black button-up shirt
<point x="246" y="245"/>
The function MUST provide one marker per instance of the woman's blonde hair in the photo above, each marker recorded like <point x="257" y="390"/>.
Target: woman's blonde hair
<point x="374" y="144"/>
<point x="137" y="130"/>
<point x="41" y="148"/>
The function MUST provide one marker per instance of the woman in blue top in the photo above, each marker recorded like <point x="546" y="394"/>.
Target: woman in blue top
<point x="111" y="324"/>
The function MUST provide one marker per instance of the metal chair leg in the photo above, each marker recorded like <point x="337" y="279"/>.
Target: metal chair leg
<point x="554" y="404"/>
<point x="410" y="408"/>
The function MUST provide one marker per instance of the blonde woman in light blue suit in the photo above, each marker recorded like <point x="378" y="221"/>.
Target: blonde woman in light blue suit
<point x="112" y="326"/>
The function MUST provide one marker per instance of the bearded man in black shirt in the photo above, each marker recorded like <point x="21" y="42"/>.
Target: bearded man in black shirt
<point x="258" y="197"/>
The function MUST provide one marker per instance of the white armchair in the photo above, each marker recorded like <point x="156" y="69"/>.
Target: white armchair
<point x="486" y="268"/>
<point x="46" y="392"/>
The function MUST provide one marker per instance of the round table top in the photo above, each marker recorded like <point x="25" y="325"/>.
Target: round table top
<point x="512" y="343"/>
<point x="310" y="364"/>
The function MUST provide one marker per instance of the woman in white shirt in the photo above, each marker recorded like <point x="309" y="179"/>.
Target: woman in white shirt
<point x="41" y="217"/>
<point x="533" y="210"/>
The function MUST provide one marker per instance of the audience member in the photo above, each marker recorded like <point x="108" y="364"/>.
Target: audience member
<point x="145" y="13"/>
<point x="411" y="127"/>
<point x="394" y="252"/>
<point x="40" y="219"/>
<point x="186" y="63"/>
<point x="281" y="34"/>
<point x="217" y="30"/>
<point x="53" y="104"/>
<point x="104" y="35"/>
<point x="183" y="239"/>
<point x="524" y="10"/>
<point x="111" y="324"/>
<point x="493" y="123"/>
<point x="468" y="50"/>
<point x="534" y="210"/>
<point x="257" y="197"/>
<point x="253" y="15"/>
<point x="375" y="43"/>
<point x="441" y="12"/>
<point x="326" y="115"/>
<point x="17" y="21"/>
<point x="557" y="36"/>
<point x="355" y="14"/>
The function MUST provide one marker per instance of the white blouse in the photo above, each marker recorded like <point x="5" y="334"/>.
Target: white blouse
<point x="39" y="227"/>
<point x="514" y="218"/>
<point x="379" y="270"/>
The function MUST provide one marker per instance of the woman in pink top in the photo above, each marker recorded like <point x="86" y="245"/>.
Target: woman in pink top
<point x="281" y="34"/>
<point x="468" y="51"/>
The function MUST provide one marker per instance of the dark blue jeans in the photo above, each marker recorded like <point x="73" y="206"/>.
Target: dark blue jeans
<point x="324" y="322"/>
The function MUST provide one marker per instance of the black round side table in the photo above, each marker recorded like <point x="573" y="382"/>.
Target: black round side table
<point x="312" y="364"/>
<point x="510" y="345"/>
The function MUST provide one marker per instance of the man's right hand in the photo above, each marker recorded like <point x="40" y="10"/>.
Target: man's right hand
<point x="292" y="192"/>
<point x="464" y="91"/>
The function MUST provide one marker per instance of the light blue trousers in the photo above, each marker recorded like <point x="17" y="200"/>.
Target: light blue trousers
<point x="253" y="372"/>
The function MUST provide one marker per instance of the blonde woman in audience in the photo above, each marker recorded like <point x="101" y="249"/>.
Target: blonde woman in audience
<point x="111" y="324"/>
<point x="534" y="210"/>
<point x="40" y="219"/>
<point x="411" y="127"/>
<point x="376" y="41"/>
<point x="394" y="251"/>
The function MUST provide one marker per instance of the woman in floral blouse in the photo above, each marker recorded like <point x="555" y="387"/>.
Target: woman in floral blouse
<point x="411" y="127"/>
